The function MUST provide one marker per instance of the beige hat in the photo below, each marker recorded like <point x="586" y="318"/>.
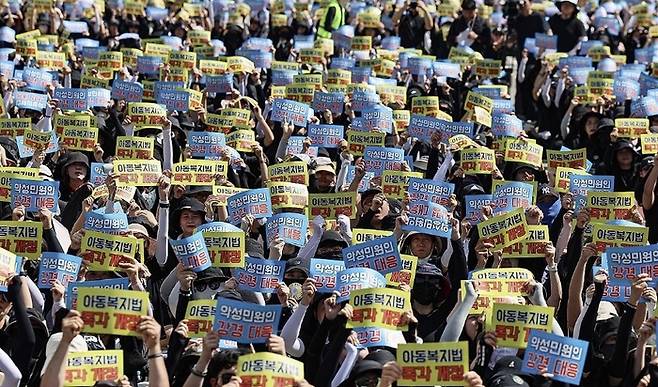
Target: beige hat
<point x="78" y="344"/>
<point x="606" y="310"/>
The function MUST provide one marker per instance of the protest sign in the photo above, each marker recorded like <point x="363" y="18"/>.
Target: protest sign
<point x="104" y="252"/>
<point x="606" y="235"/>
<point x="330" y="205"/>
<point x="128" y="91"/>
<point x="260" y="275"/>
<point x="192" y="252"/>
<point x="501" y="282"/>
<point x="524" y="150"/>
<point x="358" y="141"/>
<point x="407" y="273"/>
<point x="580" y="185"/>
<point x="137" y="173"/>
<point x="37" y="79"/>
<point x="488" y="68"/>
<point x="198" y="172"/>
<point x="290" y="111"/>
<point x="474" y="99"/>
<point x="22" y="238"/>
<point x="361" y="235"/>
<point x="378" y="160"/>
<point x="352" y="279"/>
<point x="626" y="263"/>
<point x="13" y="127"/>
<point x="433" y="364"/>
<point x="77" y="120"/>
<point x="376" y="337"/>
<point x="221" y="193"/>
<point x="380" y="254"/>
<point x="506" y="125"/>
<point x="71" y="99"/>
<point x="112" y="223"/>
<point x="58" y="267"/>
<point x="134" y="148"/>
<point x="82" y="139"/>
<point x="428" y="218"/>
<point x="649" y="143"/>
<point x="563" y="357"/>
<point x="266" y="369"/>
<point x="477" y="161"/>
<point x="566" y="158"/>
<point x="426" y="106"/>
<point x="290" y="172"/>
<point x="145" y="114"/>
<point x="255" y="202"/>
<point x="563" y="178"/>
<point x="225" y="243"/>
<point x="200" y="315"/>
<point x="241" y="140"/>
<point x="326" y="136"/>
<point x="289" y="227"/>
<point x="512" y="323"/>
<point x="35" y="195"/>
<point x="631" y="127"/>
<point x="328" y="101"/>
<point x="505" y="229"/>
<point x="87" y="367"/>
<point x="288" y="195"/>
<point x="379" y="307"/>
<point x="605" y="206"/>
<point x="10" y="264"/>
<point x="173" y="100"/>
<point x="36" y="139"/>
<point x="111" y="311"/>
<point x="534" y="246"/>
<point x="423" y="127"/>
<point x="208" y="145"/>
<point x="474" y="205"/>
<point x="245" y="322"/>
<point x="324" y="273"/>
<point x="394" y="183"/>
<point x="98" y="173"/>
<point x="511" y="195"/>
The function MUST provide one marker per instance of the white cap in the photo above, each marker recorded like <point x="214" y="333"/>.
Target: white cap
<point x="78" y="344"/>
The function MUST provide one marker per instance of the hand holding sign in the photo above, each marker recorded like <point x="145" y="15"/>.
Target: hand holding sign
<point x="71" y="326"/>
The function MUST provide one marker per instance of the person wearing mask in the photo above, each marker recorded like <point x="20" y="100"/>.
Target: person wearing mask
<point x="569" y="29"/>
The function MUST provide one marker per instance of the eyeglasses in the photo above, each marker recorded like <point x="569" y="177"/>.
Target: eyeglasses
<point x="367" y="381"/>
<point x="201" y="286"/>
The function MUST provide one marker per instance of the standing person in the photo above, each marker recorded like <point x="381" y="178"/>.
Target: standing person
<point x="526" y="24"/>
<point x="469" y="29"/>
<point x="566" y="25"/>
<point x="332" y="19"/>
<point x="412" y="21"/>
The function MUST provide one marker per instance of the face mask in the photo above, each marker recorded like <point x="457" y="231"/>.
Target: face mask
<point x="424" y="294"/>
<point x="607" y="350"/>
<point x="149" y="198"/>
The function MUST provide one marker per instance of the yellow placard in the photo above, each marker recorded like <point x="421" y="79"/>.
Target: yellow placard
<point x="401" y="119"/>
<point x="104" y="252"/>
<point x="146" y="114"/>
<point x="601" y="86"/>
<point x="112" y="311"/>
<point x="631" y="127"/>
<point x="488" y="68"/>
<point x="395" y="183"/>
<point x="433" y="364"/>
<point x="474" y="99"/>
<point x="361" y="235"/>
<point x="604" y="206"/>
<point x="524" y="150"/>
<point x="89" y="81"/>
<point x="290" y="172"/>
<point x="51" y="60"/>
<point x="157" y="49"/>
<point x="279" y="65"/>
<point x="379" y="307"/>
<point x="426" y="106"/>
<point x="13" y="127"/>
<point x="598" y="52"/>
<point x="82" y="139"/>
<point x="606" y="235"/>
<point x="309" y="79"/>
<point x="85" y="368"/>
<point x="563" y="177"/>
<point x="22" y="238"/>
<point x="198" y="37"/>
<point x="300" y="92"/>
<point x="212" y="67"/>
<point x="226" y="248"/>
<point x="311" y="55"/>
<point x="198" y="172"/>
<point x="130" y="56"/>
<point x="534" y="246"/>
<point x="137" y="173"/>
<point x="505" y="229"/>
<point x="461" y="142"/>
<point x="358" y="141"/>
<point x="392" y="94"/>
<point x="182" y="59"/>
<point x="239" y="64"/>
<point x="407" y="273"/>
<point x="111" y="60"/>
<point x="576" y="158"/>
<point x="134" y="148"/>
<point x="512" y="323"/>
<point x="8" y="173"/>
<point x="649" y="143"/>
<point x="220" y="193"/>
<point x="241" y="140"/>
<point x="200" y="315"/>
<point x="288" y="195"/>
<point x="330" y="205"/>
<point x="26" y="47"/>
<point x="477" y="161"/>
<point x="266" y="369"/>
<point x="361" y="43"/>
<point x="501" y="282"/>
<point x="72" y="121"/>
<point x="36" y="140"/>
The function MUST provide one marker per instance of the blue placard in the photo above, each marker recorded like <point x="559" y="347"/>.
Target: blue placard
<point x="36" y="79"/>
<point x="511" y="195"/>
<point x="156" y="13"/>
<point x="219" y="83"/>
<point x="430" y="191"/>
<point x="391" y="43"/>
<point x="357" y="278"/>
<point x="24" y="151"/>
<point x="580" y="74"/>
<point x="564" y="357"/>
<point x="504" y="106"/>
<point x="159" y="86"/>
<point x="473" y="207"/>
<point x="255" y="43"/>
<point x="289" y="227"/>
<point x="71" y="99"/>
<point x="575" y="62"/>
<point x="378" y="159"/>
<point x="7" y="68"/>
<point x="303" y="41"/>
<point x="92" y="52"/>
<point x="647" y="83"/>
<point x="98" y="97"/>
<point x="35" y="195"/>
<point x="326" y="136"/>
<point x="379" y="254"/>
<point x="447" y="69"/>
<point x="626" y="263"/>
<point x="112" y="223"/>
<point x="192" y="252"/>
<point x="245" y="322"/>
<point x="489" y="92"/>
<point x="361" y="74"/>
<point x="419" y="65"/>
<point x="506" y="125"/>
<point x="362" y="100"/>
<point x="624" y="88"/>
<point x="58" y="267"/>
<point x="283" y="77"/>
<point x="291" y="111"/>
<point x="376" y="81"/>
<point x="546" y="41"/>
<point x="72" y="289"/>
<point x="364" y="185"/>
<point x="260" y="275"/>
<point x="206" y="144"/>
<point x="32" y="101"/>
<point x="260" y="59"/>
<point x="128" y="91"/>
<point x="76" y="27"/>
<point x="256" y="202"/>
<point x="454" y="128"/>
<point x="586" y="45"/>
<point x="422" y="127"/>
<point x="378" y="118"/>
<point x="579" y="185"/>
<point x="343" y="63"/>
<point x="377" y="337"/>
<point x="324" y="272"/>
<point x="328" y="101"/>
<point x="174" y="99"/>
<point x="428" y="218"/>
<point x="149" y="65"/>
<point x="98" y="174"/>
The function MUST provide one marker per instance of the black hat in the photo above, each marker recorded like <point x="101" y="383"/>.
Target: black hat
<point x="298" y="264"/>
<point x="210" y="274"/>
<point x="624" y="144"/>
<point x="647" y="161"/>
<point x="469" y="4"/>
<point x="76" y="157"/>
<point x="11" y="148"/>
<point x="332" y="237"/>
<point x="197" y="189"/>
<point x="191" y="204"/>
<point x="427" y="269"/>
<point x="230" y="294"/>
<point x="473" y="189"/>
<point x="507" y="372"/>
<point x="369" y="192"/>
<point x="605" y="123"/>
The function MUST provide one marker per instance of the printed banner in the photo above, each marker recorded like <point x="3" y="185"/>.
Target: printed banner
<point x="22" y="238"/>
<point x="291" y="111"/>
<point x="82" y="139"/>
<point x="134" y="148"/>
<point x="288" y="195"/>
<point x="112" y="223"/>
<point x="563" y="357"/>
<point x="631" y="127"/>
<point x="356" y="278"/>
<point x="128" y="91"/>
<point x="378" y="159"/>
<point x="225" y="243"/>
<point x="512" y="323"/>
<point x="477" y="161"/>
<point x="71" y="99"/>
<point x="361" y="235"/>
<point x="534" y="246"/>
<point x="289" y="227"/>
<point x="35" y="195"/>
<point x="505" y="229"/>
<point x="198" y="172"/>
<point x="576" y="158"/>
<point x="330" y="205"/>
<point x="605" y="206"/>
<point x="144" y="114"/>
<point x="111" y="311"/>
<point x="649" y="143"/>
<point x="525" y="151"/>
<point x="328" y="101"/>
<point x="395" y="183"/>
<point x="428" y="218"/>
<point x="326" y="136"/>
<point x="260" y="275"/>
<point x="10" y="264"/>
<point x="433" y="364"/>
<point x="290" y="172"/>
<point x="626" y="263"/>
<point x="200" y="315"/>
<point x="563" y="178"/>
<point x="58" y="267"/>
<point x="407" y="273"/>
<point x="474" y="205"/>
<point x="104" y="252"/>
<point x="358" y="141"/>
<point x="192" y="252"/>
<point x="137" y="173"/>
<point x="265" y="369"/>
<point x="580" y="185"/>
<point x="85" y="368"/>
<point x="510" y="195"/>
<point x="245" y="322"/>
<point x="207" y="145"/>
<point x="324" y="272"/>
<point x="377" y="337"/>
<point x="380" y="254"/>
<point x="606" y="235"/>
<point x="255" y="202"/>
<point x="379" y="307"/>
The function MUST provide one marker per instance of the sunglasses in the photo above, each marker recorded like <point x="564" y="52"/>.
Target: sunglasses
<point x="201" y="286"/>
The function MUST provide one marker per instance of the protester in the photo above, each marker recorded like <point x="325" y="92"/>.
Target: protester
<point x="368" y="194"/>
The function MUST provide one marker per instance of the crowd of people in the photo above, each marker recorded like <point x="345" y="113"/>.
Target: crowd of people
<point x="166" y="166"/>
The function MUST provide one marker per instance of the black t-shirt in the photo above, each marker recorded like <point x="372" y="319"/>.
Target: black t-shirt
<point x="411" y="30"/>
<point x="568" y="31"/>
<point x="526" y="27"/>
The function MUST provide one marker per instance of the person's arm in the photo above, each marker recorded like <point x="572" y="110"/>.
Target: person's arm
<point x="268" y="135"/>
<point x="162" y="247"/>
<point x="586" y="331"/>
<point x="575" y="303"/>
<point x="649" y="193"/>
<point x="311" y="246"/>
<point x="334" y="349"/>
<point x="35" y="294"/>
<point x="262" y="164"/>
<point x="150" y="331"/>
<point x="427" y="18"/>
<point x="199" y="371"/>
<point x="54" y="375"/>
<point x="565" y="234"/>
<point x="556" y="285"/>
<point x="345" y="161"/>
<point x="176" y="347"/>
<point x="23" y="343"/>
<point x="283" y="144"/>
<point x="9" y="369"/>
<point x="444" y="168"/>
<point x="536" y="297"/>
<point x="457" y="318"/>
